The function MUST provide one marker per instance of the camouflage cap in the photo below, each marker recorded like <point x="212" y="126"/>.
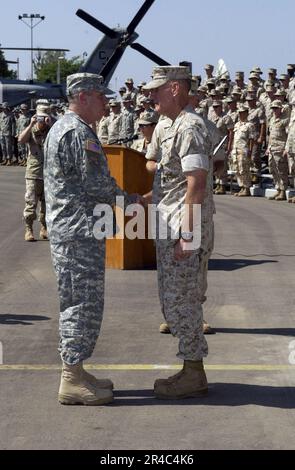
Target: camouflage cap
<point x="78" y="82"/>
<point x="211" y="81"/>
<point x="269" y="87"/>
<point x="216" y="103"/>
<point x="276" y="104"/>
<point x="257" y="70"/>
<point x="240" y="74"/>
<point x="129" y="80"/>
<point x="162" y="75"/>
<point x="123" y="89"/>
<point x="250" y="98"/>
<point x="24" y="106"/>
<point x="42" y="101"/>
<point x="42" y="110"/>
<point x="214" y="92"/>
<point x="209" y="67"/>
<point x="254" y="75"/>
<point x="283" y="76"/>
<point x="113" y="103"/>
<point x="290" y="66"/>
<point x="141" y="84"/>
<point x="236" y="90"/>
<point x="230" y="99"/>
<point x="148" y="118"/>
<point x="202" y="89"/>
<point x="274" y="71"/>
<point x="243" y="108"/>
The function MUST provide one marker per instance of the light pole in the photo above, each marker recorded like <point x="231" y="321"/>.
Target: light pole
<point x="31" y="25"/>
<point x="58" y="70"/>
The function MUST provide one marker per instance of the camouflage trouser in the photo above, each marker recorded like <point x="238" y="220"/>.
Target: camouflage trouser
<point x="34" y="193"/>
<point x="23" y="151"/>
<point x="205" y="252"/>
<point x="80" y="272"/>
<point x="179" y="298"/>
<point x="242" y="161"/>
<point x="291" y="163"/>
<point x="7" y="148"/>
<point x="221" y="175"/>
<point x="256" y="158"/>
<point x="278" y="167"/>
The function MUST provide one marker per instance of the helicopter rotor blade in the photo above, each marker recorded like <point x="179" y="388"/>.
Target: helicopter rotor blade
<point x="96" y="24"/>
<point x="112" y="62"/>
<point x="139" y="15"/>
<point x="150" y="55"/>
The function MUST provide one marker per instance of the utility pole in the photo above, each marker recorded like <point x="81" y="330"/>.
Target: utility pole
<point x="32" y="17"/>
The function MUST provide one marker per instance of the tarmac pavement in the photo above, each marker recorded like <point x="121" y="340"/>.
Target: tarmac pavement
<point x="250" y="304"/>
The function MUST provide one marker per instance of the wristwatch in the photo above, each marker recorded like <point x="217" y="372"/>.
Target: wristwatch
<point x="187" y="236"/>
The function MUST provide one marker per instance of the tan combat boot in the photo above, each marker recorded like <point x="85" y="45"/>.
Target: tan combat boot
<point x="29" y="236"/>
<point x="216" y="189"/>
<point x="43" y="232"/>
<point x="241" y="190"/>
<point x="164" y="329"/>
<point x="98" y="383"/>
<point x="8" y="163"/>
<point x="76" y="390"/>
<point x="220" y="190"/>
<point x="273" y="198"/>
<point x="245" y="193"/>
<point x="282" y="196"/>
<point x="291" y="199"/>
<point x="189" y="383"/>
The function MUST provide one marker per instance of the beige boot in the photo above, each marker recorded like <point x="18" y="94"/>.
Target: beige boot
<point x="192" y="382"/>
<point x="245" y="193"/>
<point x="220" y="190"/>
<point x="241" y="190"/>
<point x="216" y="189"/>
<point x="43" y="232"/>
<point x="29" y="236"/>
<point x="282" y="196"/>
<point x="98" y="383"/>
<point x="76" y="390"/>
<point x="164" y="329"/>
<point x="272" y="198"/>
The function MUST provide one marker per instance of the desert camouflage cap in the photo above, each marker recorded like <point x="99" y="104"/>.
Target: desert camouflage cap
<point x="230" y="99"/>
<point x="211" y="81"/>
<point x="254" y="75"/>
<point x="240" y="74"/>
<point x="216" y="103"/>
<point x="78" y="82"/>
<point x="243" y="108"/>
<point x="250" y="98"/>
<point x="283" y="76"/>
<point x="42" y="101"/>
<point x="209" y="67"/>
<point x="276" y="104"/>
<point x="162" y="75"/>
<point x="237" y="90"/>
<point x="290" y="66"/>
<point x="273" y="71"/>
<point x="148" y="118"/>
<point x="280" y="93"/>
<point x="129" y="80"/>
<point x="257" y="70"/>
<point x="113" y="103"/>
<point x="24" y="106"/>
<point x="42" y="110"/>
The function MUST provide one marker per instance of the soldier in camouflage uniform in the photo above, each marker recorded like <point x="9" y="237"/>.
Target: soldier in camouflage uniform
<point x="23" y="122"/>
<point x="257" y="117"/>
<point x="278" y="162"/>
<point x="34" y="136"/>
<point x="77" y="178"/>
<point x="180" y="178"/>
<point x="102" y="127"/>
<point x="290" y="152"/>
<point x="114" y="122"/>
<point x="146" y="123"/>
<point x="7" y="131"/>
<point x="244" y="135"/>
<point x="127" y="120"/>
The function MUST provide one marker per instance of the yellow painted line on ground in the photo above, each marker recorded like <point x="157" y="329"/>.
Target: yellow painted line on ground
<point x="138" y="367"/>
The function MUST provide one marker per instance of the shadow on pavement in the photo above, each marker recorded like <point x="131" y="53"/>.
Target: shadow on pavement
<point x="220" y="394"/>
<point x="234" y="264"/>
<point x="258" y="331"/>
<point x="11" y="319"/>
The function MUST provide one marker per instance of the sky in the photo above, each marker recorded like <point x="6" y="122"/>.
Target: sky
<point x="243" y="33"/>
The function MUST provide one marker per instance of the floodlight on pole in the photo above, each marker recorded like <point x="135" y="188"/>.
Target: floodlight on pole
<point x="31" y="25"/>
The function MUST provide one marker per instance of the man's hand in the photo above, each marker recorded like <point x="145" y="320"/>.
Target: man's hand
<point x="182" y="251"/>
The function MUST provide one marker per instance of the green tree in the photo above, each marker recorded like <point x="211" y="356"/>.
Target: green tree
<point x="4" y="72"/>
<point x="46" y="65"/>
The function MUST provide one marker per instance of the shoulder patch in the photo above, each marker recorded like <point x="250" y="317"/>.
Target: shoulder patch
<point x="92" y="146"/>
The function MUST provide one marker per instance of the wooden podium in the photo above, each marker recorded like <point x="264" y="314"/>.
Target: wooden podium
<point x="127" y="166"/>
